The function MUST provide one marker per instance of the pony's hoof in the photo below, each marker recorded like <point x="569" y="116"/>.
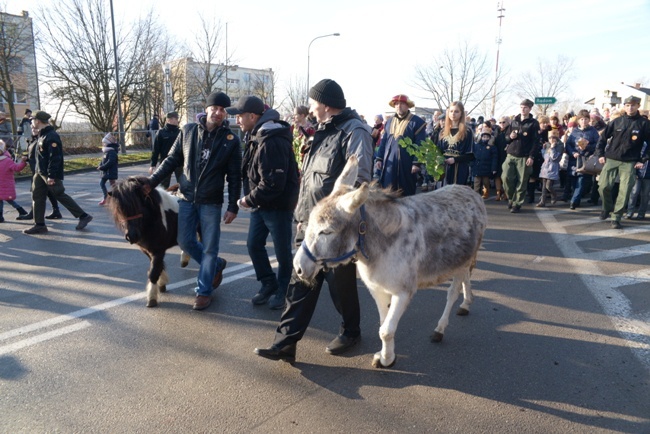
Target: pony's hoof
<point x="462" y="311"/>
<point x="376" y="362"/>
<point x="152" y="303"/>
<point x="436" y="337"/>
<point x="163" y="288"/>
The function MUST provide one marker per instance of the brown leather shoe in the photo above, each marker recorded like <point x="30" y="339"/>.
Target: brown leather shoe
<point x="219" y="276"/>
<point x="202" y="302"/>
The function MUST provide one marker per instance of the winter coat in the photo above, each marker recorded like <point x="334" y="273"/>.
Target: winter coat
<point x="486" y="158"/>
<point x="461" y="152"/>
<point x="627" y="135"/>
<point x="396" y="163"/>
<point x="551" y="166"/>
<point x="7" y="182"/>
<point x="108" y="165"/>
<point x="49" y="154"/>
<point x="334" y="141"/>
<point x="270" y="166"/>
<point x="591" y="135"/>
<point x="163" y="142"/>
<point x="526" y="144"/>
<point x="205" y="185"/>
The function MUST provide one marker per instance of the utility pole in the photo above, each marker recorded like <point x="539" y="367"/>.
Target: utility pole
<point x="500" y="16"/>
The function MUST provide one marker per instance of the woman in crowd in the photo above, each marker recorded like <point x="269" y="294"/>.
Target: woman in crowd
<point x="580" y="144"/>
<point x="456" y="142"/>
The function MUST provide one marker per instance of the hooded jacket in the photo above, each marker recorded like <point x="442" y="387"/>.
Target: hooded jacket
<point x="627" y="134"/>
<point x="108" y="165"/>
<point x="205" y="186"/>
<point x="334" y="141"/>
<point x="7" y="181"/>
<point x="269" y="165"/>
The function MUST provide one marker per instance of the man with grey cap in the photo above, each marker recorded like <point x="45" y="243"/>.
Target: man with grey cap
<point x="163" y="143"/>
<point x="340" y="133"/>
<point x="49" y="176"/>
<point x="620" y="157"/>
<point x="522" y="144"/>
<point x="210" y="154"/>
<point x="270" y="175"/>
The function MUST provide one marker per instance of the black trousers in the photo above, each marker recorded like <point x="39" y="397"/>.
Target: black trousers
<point x="302" y="299"/>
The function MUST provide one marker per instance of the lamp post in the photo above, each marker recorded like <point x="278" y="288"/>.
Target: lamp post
<point x="120" y="118"/>
<point x="309" y="48"/>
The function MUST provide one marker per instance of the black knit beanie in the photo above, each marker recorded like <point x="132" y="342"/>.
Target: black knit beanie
<point x="218" y="98"/>
<point x="328" y="92"/>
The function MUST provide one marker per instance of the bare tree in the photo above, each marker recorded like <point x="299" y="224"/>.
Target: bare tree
<point x="16" y="52"/>
<point x="547" y="79"/>
<point x="80" y="61"/>
<point x="296" y="94"/>
<point x="462" y="74"/>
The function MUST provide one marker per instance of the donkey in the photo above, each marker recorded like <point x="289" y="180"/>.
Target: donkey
<point x="149" y="218"/>
<point x="401" y="244"/>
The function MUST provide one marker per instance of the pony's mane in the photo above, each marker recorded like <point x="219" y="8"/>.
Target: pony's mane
<point x="378" y="194"/>
<point x="127" y="196"/>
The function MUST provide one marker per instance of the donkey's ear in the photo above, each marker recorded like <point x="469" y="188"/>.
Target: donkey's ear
<point x="349" y="175"/>
<point x="349" y="202"/>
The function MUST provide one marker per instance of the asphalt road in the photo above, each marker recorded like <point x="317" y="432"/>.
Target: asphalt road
<point x="557" y="341"/>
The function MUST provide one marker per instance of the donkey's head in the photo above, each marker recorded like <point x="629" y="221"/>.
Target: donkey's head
<point x="133" y="204"/>
<point x="332" y="236"/>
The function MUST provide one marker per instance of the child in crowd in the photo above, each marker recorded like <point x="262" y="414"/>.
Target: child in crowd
<point x="108" y="166"/>
<point x="550" y="170"/>
<point x="485" y="163"/>
<point x="7" y="182"/>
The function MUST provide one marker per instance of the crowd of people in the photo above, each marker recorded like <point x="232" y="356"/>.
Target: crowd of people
<point x="286" y="168"/>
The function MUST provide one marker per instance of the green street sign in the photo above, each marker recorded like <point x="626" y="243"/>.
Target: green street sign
<point x="545" y="100"/>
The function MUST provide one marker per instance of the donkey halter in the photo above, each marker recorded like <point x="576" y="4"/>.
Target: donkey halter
<point x="360" y="246"/>
<point x="147" y="192"/>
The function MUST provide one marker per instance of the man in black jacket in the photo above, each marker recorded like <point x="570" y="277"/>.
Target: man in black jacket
<point x="49" y="176"/>
<point x="210" y="154"/>
<point x="522" y="144"/>
<point x="621" y="157"/>
<point x="272" y="173"/>
<point x="340" y="134"/>
<point x="163" y="143"/>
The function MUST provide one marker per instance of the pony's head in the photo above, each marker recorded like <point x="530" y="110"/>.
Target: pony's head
<point x="132" y="203"/>
<point x="336" y="228"/>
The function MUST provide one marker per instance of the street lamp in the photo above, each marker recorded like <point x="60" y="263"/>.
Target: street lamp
<point x="309" y="47"/>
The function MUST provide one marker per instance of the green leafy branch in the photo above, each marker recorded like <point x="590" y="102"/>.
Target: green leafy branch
<point x="426" y="153"/>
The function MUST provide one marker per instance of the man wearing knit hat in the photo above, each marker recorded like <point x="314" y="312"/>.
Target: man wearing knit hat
<point x="210" y="154"/>
<point x="397" y="169"/>
<point x="49" y="176"/>
<point x="340" y="134"/>
<point x="620" y="157"/>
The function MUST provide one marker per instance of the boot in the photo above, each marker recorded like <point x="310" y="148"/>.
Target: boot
<point x="531" y="192"/>
<point x="499" y="195"/>
<point x="25" y="215"/>
<point x="56" y="214"/>
<point x="486" y="193"/>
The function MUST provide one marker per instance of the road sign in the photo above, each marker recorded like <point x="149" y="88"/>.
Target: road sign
<point x="545" y="100"/>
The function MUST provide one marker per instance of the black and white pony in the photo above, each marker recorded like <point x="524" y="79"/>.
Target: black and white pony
<point x="400" y="244"/>
<point x="149" y="218"/>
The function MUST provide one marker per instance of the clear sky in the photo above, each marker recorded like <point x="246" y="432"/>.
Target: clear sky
<point x="382" y="41"/>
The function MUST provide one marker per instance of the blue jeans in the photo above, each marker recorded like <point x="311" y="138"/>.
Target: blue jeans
<point x="279" y="224"/>
<point x="581" y="184"/>
<point x="206" y="251"/>
<point x="102" y="185"/>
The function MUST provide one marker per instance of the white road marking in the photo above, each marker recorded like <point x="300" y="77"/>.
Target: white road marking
<point x="616" y="306"/>
<point x="100" y="307"/>
<point x="43" y="337"/>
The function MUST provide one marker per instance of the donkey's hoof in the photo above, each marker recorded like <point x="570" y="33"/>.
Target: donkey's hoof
<point x="163" y="288"/>
<point x="462" y="311"/>
<point x="376" y="362"/>
<point x="152" y="303"/>
<point x="436" y="337"/>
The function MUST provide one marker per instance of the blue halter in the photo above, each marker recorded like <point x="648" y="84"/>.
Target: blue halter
<point x="360" y="246"/>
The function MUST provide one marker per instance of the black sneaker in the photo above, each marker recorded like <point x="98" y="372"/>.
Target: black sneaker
<point x="515" y="209"/>
<point x="56" y="215"/>
<point x="36" y="229"/>
<point x="83" y="222"/>
<point x="604" y="215"/>
<point x="263" y="295"/>
<point x="277" y="302"/>
<point x="341" y="344"/>
<point x="616" y="224"/>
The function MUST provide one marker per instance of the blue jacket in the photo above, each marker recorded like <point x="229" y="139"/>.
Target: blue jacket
<point x="591" y="135"/>
<point x="486" y="159"/>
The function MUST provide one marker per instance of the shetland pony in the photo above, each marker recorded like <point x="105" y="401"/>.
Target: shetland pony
<point x="149" y="219"/>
